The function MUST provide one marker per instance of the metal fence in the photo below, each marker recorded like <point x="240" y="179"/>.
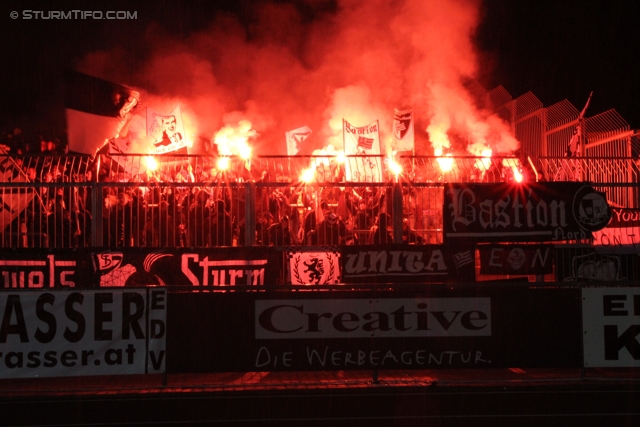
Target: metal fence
<point x="201" y="202"/>
<point x="196" y="201"/>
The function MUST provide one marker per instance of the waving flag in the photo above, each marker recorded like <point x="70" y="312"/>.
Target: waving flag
<point x="403" y="131"/>
<point x="12" y="200"/>
<point x="295" y="138"/>
<point x="570" y="169"/>
<point x="575" y="144"/>
<point x="363" y="141"/>
<point x="96" y="110"/>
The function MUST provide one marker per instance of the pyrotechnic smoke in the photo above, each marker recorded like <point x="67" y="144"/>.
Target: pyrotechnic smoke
<point x="282" y="65"/>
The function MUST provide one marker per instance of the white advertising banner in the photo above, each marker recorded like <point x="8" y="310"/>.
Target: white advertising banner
<point x="71" y="333"/>
<point x="367" y="318"/>
<point x="611" y="323"/>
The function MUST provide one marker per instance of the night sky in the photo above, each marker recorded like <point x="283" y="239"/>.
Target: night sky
<point x="557" y="50"/>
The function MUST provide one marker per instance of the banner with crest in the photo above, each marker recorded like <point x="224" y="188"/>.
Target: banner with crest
<point x="314" y="268"/>
<point x="403" y="130"/>
<point x="365" y="142"/>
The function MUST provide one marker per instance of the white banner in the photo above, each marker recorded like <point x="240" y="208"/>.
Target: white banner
<point x="67" y="333"/>
<point x="167" y="131"/>
<point x="611" y="323"/>
<point x="362" y="318"/>
<point x="314" y="268"/>
<point x="364" y="141"/>
<point x="295" y="138"/>
<point x="403" y="130"/>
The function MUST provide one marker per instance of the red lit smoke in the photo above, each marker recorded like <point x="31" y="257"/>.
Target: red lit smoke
<point x="281" y="70"/>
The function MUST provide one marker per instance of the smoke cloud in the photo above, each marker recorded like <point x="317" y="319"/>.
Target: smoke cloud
<point x="280" y="66"/>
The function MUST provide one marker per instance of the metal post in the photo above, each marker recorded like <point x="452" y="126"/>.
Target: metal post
<point x="397" y="212"/>
<point x="250" y="214"/>
<point x="96" y="211"/>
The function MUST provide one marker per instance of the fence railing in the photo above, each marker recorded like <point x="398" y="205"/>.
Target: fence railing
<point x="196" y="201"/>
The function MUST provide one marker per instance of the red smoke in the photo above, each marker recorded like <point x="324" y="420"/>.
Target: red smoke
<point x="282" y="69"/>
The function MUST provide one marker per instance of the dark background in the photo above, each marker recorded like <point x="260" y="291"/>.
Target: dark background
<point x="557" y="50"/>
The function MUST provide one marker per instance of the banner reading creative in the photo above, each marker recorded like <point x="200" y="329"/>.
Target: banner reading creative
<point x="69" y="333"/>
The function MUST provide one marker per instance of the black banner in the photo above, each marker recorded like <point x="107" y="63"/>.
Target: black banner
<point x="516" y="259"/>
<point x="622" y="234"/>
<point x="587" y="264"/>
<point x="349" y="330"/>
<point x="200" y="268"/>
<point x="37" y="269"/>
<point x="407" y="264"/>
<point x="93" y="268"/>
<point x="530" y="212"/>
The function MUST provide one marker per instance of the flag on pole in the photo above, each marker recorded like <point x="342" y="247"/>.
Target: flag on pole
<point x="575" y="147"/>
<point x="295" y="138"/>
<point x="96" y="110"/>
<point x="570" y="169"/>
<point x="166" y="131"/>
<point x="403" y="130"/>
<point x="363" y="141"/>
<point x="13" y="200"/>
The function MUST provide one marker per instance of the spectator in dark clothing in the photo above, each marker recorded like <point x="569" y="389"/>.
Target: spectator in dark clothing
<point x="279" y="234"/>
<point x="331" y="231"/>
<point x="160" y="229"/>
<point x="220" y="225"/>
<point x="410" y="236"/>
<point x="198" y="224"/>
<point x="380" y="231"/>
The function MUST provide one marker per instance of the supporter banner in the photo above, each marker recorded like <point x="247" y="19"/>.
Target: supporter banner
<point x="314" y="267"/>
<point x="201" y="268"/>
<point x="622" y="234"/>
<point x="611" y="322"/>
<point x="586" y="264"/>
<point x="96" y="111"/>
<point x="403" y="130"/>
<point x="295" y="138"/>
<point x="66" y="333"/>
<point x="516" y="259"/>
<point x="347" y="330"/>
<point x="535" y="211"/>
<point x="167" y="131"/>
<point x="35" y="269"/>
<point x="407" y="264"/>
<point x="364" y="141"/>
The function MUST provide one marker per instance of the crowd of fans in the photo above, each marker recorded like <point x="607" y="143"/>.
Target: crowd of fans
<point x="180" y="207"/>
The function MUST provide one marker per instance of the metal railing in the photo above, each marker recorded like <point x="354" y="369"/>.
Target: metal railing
<point x="196" y="201"/>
